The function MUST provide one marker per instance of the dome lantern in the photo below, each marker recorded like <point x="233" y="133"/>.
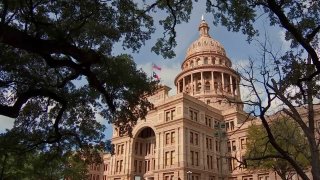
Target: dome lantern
<point x="204" y="28"/>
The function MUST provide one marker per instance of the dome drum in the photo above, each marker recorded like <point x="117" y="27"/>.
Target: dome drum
<point x="208" y="83"/>
<point x="205" y="61"/>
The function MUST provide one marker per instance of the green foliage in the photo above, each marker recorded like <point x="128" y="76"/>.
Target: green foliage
<point x="239" y="15"/>
<point x="299" y="19"/>
<point x="35" y="164"/>
<point x="261" y="154"/>
<point x="58" y="70"/>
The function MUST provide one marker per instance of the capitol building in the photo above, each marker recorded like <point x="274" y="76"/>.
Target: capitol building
<point x="191" y="135"/>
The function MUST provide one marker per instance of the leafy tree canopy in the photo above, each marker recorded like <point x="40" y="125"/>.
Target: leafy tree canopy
<point x="57" y="69"/>
<point x="300" y="20"/>
<point x="260" y="154"/>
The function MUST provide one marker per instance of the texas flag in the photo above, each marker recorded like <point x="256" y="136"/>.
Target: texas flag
<point x="154" y="75"/>
<point x="154" y="66"/>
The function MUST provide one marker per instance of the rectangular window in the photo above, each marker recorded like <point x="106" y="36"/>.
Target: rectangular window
<point x="117" y="166"/>
<point x="243" y="143"/>
<point x="208" y="121"/>
<point x="232" y="125"/>
<point x="234" y="147"/>
<point x="121" y="164"/>
<point x="207" y="143"/>
<point x="191" y="137"/>
<point x="170" y="114"/>
<point x="167" y="115"/>
<point x="167" y="138"/>
<point x="136" y="147"/>
<point x="118" y="149"/>
<point x="172" y="137"/>
<point x="140" y="166"/>
<point x="135" y="165"/>
<point x="247" y="178"/>
<point x="196" y="138"/>
<point x="145" y="166"/>
<point x="197" y="158"/>
<point x="193" y="115"/>
<point x="191" y="157"/>
<point x="230" y="164"/>
<point x="217" y="146"/>
<point x="172" y="158"/>
<point x="167" y="160"/>
<point x="153" y="164"/>
<point x="148" y="165"/>
<point x="147" y="147"/>
<point x="122" y="148"/>
<point x="229" y="146"/>
<point x="140" y="148"/>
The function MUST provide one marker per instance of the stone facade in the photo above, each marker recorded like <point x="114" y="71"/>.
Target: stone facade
<point x="188" y="136"/>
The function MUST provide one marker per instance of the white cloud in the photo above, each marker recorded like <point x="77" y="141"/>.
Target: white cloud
<point x="240" y="64"/>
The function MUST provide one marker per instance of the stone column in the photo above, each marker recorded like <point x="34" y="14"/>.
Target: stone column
<point x="191" y="88"/>
<point x="184" y="84"/>
<point x="222" y="81"/>
<point x="231" y="85"/>
<point x="187" y="142"/>
<point x="158" y="160"/>
<point x="212" y="81"/>
<point x="202" y="83"/>
<point x="178" y="87"/>
<point x="177" y="141"/>
<point x="238" y="88"/>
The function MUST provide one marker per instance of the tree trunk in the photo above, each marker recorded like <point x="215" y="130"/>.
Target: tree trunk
<point x="315" y="161"/>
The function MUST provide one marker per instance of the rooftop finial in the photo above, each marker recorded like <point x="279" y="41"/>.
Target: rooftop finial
<point x="202" y="18"/>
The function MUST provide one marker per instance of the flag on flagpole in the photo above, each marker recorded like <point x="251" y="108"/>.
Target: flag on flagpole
<point x="154" y="75"/>
<point x="154" y="66"/>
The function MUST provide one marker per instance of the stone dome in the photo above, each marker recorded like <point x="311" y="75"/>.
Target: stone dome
<point x="205" y="43"/>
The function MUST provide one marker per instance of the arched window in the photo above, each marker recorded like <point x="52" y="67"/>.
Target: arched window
<point x="191" y="64"/>
<point x="207" y="86"/>
<point x="205" y="61"/>
<point x="198" y="62"/>
<point x="213" y="59"/>
<point x="198" y="86"/>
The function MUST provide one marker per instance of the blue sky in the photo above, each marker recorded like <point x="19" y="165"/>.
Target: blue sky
<point x="235" y="44"/>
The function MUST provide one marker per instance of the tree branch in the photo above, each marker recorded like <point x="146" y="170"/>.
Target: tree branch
<point x="13" y="111"/>
<point x="275" y="8"/>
